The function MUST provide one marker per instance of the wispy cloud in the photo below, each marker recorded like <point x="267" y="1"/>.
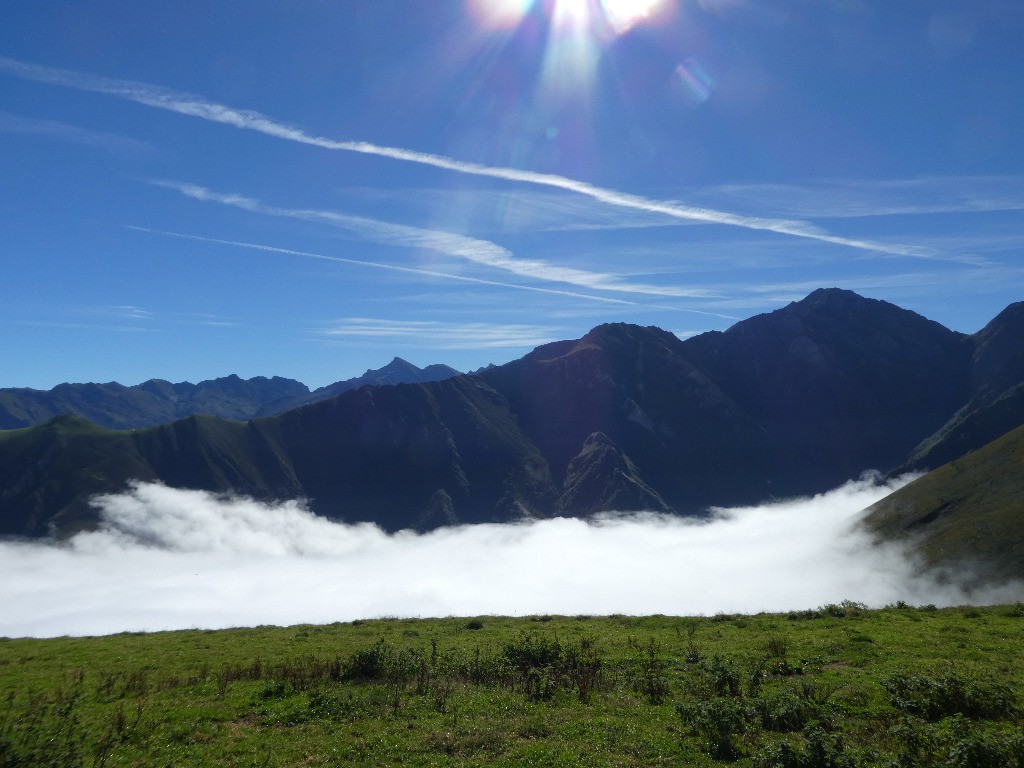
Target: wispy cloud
<point x="445" y="335"/>
<point x="388" y="267"/>
<point x="213" y="321"/>
<point x="195" y="106"/>
<point x="57" y="131"/>
<point x="512" y="209"/>
<point x="483" y="252"/>
<point x="861" y="198"/>
<point x="130" y="311"/>
<point x="76" y="326"/>
<point x="116" y="318"/>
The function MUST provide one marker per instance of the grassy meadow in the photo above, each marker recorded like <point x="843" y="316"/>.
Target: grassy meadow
<point x="838" y="686"/>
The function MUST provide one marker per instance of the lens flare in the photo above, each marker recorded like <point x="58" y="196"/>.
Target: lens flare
<point x="695" y="79"/>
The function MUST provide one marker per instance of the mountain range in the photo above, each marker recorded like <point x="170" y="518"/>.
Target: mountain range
<point x="157" y="401"/>
<point x="788" y="403"/>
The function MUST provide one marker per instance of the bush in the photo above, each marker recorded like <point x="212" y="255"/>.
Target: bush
<point x="652" y="680"/>
<point x="986" y="750"/>
<point x="726" y="678"/>
<point x="785" y="711"/>
<point x="369" y="663"/>
<point x="956" y="742"/>
<point x="819" y="750"/>
<point x="718" y="723"/>
<point x="952" y="693"/>
<point x="543" y="666"/>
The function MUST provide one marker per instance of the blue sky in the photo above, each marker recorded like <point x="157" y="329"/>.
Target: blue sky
<point x="309" y="188"/>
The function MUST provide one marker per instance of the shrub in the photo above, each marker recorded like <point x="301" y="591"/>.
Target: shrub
<point x="543" y="666"/>
<point x="652" y="680"/>
<point x="986" y="750"/>
<point x="369" y="663"/>
<point x="952" y="693"/>
<point x="718" y="723"/>
<point x="784" y="711"/>
<point x="820" y="749"/>
<point x="777" y="647"/>
<point x="726" y="679"/>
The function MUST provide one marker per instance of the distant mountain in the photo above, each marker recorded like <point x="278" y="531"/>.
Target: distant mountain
<point x="967" y="515"/>
<point x="159" y="402"/>
<point x="626" y="418"/>
<point x="398" y="371"/>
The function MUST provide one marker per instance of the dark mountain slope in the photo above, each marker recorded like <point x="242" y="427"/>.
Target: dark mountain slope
<point x="218" y="455"/>
<point x="967" y="515"/>
<point x="995" y="400"/>
<point x="842" y="383"/>
<point x="48" y="473"/>
<point x="685" y="438"/>
<point x="415" y="456"/>
<point x="398" y="371"/>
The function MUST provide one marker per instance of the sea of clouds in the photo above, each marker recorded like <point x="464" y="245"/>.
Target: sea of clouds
<point x="169" y="559"/>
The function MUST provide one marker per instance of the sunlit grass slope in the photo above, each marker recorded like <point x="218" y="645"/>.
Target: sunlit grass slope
<point x="967" y="515"/>
<point x="840" y="686"/>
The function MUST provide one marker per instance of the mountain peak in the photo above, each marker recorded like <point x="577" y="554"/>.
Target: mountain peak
<point x="397" y="364"/>
<point x="820" y="295"/>
<point x="839" y="300"/>
<point x="628" y="333"/>
<point x="1010" y="319"/>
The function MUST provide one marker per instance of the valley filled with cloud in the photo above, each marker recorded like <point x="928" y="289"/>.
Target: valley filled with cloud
<point x="168" y="559"/>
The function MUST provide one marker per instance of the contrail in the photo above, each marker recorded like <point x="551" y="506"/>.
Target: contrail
<point x="195" y="106"/>
<point x="470" y="248"/>
<point x="417" y="271"/>
<point x="389" y="267"/>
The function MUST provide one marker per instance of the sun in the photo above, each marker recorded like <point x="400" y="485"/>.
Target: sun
<point x="600" y="17"/>
<point x="579" y="31"/>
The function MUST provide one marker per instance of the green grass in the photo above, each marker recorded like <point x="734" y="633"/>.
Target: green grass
<point x="965" y="515"/>
<point x="841" y="686"/>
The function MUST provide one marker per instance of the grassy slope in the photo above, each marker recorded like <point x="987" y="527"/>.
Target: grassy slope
<point x="48" y="473"/>
<point x="662" y="691"/>
<point x="970" y="511"/>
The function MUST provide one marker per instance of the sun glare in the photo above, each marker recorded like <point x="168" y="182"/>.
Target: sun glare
<point x="578" y="31"/>
<point x="575" y="13"/>
<point x="622" y="15"/>
<point x="499" y="13"/>
<point x="598" y="16"/>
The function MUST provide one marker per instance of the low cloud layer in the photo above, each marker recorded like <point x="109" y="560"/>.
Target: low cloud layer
<point x="167" y="559"/>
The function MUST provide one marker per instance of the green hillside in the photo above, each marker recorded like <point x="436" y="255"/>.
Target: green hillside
<point x="967" y="515"/>
<point x="839" y="687"/>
